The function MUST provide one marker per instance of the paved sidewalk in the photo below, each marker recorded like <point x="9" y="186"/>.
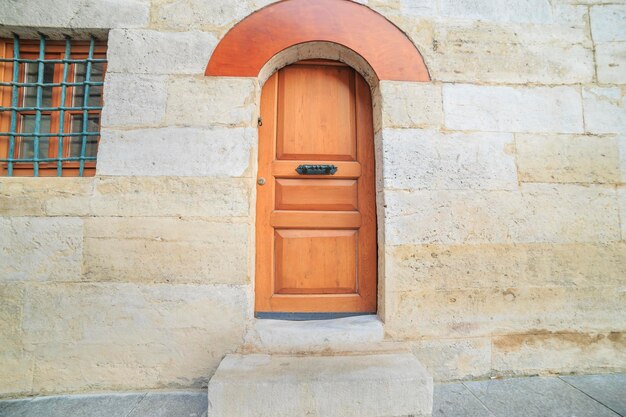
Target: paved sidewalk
<point x="578" y="396"/>
<point x="567" y="396"/>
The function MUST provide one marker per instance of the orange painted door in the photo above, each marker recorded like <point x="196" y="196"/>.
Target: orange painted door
<point x="316" y="234"/>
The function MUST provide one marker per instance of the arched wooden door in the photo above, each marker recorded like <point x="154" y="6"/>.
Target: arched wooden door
<point x="316" y="215"/>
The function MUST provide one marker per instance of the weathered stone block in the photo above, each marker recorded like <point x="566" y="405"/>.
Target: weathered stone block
<point x="17" y="373"/>
<point x="199" y="14"/>
<point x="410" y="105"/>
<point x="154" y="52"/>
<point x="12" y="297"/>
<point x="607" y="22"/>
<point x="537" y="213"/>
<point x="76" y="13"/>
<point x="165" y="250"/>
<point x="611" y="62"/>
<point x="202" y="101"/>
<point x="532" y="11"/>
<point x="134" y="100"/>
<point x="605" y="109"/>
<point x="621" y="141"/>
<point x="568" y="159"/>
<point x="125" y="196"/>
<point x="347" y="335"/>
<point x="512" y="109"/>
<point x="40" y="248"/>
<point x="122" y="336"/>
<point x="23" y="196"/>
<point x="621" y="195"/>
<point x="471" y="51"/>
<point x="429" y="159"/>
<point x="453" y="359"/>
<point x="445" y="267"/>
<point x="176" y="151"/>
<point x="496" y="311"/>
<point x="561" y="353"/>
<point x="332" y="386"/>
<point x="165" y="196"/>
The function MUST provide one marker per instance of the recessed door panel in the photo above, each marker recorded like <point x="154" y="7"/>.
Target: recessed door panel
<point x="316" y="261"/>
<point x="313" y="194"/>
<point x="316" y="226"/>
<point x="316" y="117"/>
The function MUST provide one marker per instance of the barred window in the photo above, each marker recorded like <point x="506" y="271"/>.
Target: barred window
<point x="50" y="106"/>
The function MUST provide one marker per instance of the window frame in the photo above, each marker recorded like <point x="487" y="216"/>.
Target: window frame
<point x="54" y="50"/>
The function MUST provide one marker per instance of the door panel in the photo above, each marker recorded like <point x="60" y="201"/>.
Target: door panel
<point x="316" y="261"/>
<point x="313" y="194"/>
<point x="316" y="234"/>
<point x="316" y="118"/>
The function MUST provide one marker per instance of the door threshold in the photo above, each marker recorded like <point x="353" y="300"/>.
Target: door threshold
<point x="306" y="316"/>
<point x="346" y="334"/>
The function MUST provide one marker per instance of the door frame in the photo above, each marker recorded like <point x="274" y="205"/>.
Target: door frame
<point x="346" y="31"/>
<point x="366" y="297"/>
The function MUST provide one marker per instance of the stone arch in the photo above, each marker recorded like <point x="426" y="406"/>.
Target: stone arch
<point x="248" y="46"/>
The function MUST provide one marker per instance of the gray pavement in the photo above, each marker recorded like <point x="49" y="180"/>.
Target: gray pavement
<point x="571" y="396"/>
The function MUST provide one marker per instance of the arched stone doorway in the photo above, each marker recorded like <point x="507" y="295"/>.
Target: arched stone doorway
<point x="293" y="30"/>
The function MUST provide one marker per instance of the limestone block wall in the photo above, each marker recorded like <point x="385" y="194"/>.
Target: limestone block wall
<point x="502" y="198"/>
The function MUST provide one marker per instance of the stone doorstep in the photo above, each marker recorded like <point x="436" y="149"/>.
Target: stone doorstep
<point x="358" y="334"/>
<point x="367" y="385"/>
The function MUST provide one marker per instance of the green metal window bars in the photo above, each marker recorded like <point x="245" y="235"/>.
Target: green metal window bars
<point x="37" y="134"/>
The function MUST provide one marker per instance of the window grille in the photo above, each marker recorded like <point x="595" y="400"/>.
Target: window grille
<point x="50" y="106"/>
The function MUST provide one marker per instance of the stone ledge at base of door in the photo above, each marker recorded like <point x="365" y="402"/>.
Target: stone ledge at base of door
<point x="374" y="385"/>
<point x="342" y="336"/>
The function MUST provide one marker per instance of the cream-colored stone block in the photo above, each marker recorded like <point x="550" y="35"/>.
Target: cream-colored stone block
<point x="507" y="11"/>
<point x="621" y="195"/>
<point x="611" y="62"/>
<point x="445" y="267"/>
<point x="75" y="13"/>
<point x="537" y="213"/>
<point x="17" y="366"/>
<point x="605" y="109"/>
<point x="155" y="52"/>
<point x="165" y="250"/>
<point x="470" y="51"/>
<point x="11" y="301"/>
<point x="285" y="386"/>
<point x="165" y="196"/>
<point x="17" y="373"/>
<point x="199" y="14"/>
<point x="454" y="359"/>
<point x="126" y="336"/>
<point x="559" y="353"/>
<point x="607" y="22"/>
<point x="23" y="196"/>
<point x="342" y="336"/>
<point x="512" y="109"/>
<point x="125" y="196"/>
<point x="176" y="151"/>
<point x="621" y="141"/>
<point x="40" y="248"/>
<point x="567" y="159"/>
<point x="202" y="101"/>
<point x="410" y="105"/>
<point x="415" y="159"/>
<point x="500" y="311"/>
<point x="134" y="100"/>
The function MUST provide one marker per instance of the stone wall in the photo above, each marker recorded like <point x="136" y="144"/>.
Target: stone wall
<point x="502" y="199"/>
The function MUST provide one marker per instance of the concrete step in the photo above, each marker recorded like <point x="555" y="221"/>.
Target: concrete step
<point x="359" y="334"/>
<point x="373" y="385"/>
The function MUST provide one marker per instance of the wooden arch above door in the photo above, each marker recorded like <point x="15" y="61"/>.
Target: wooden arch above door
<point x="253" y="41"/>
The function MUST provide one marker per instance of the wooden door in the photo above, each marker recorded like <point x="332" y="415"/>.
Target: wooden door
<point x="316" y="234"/>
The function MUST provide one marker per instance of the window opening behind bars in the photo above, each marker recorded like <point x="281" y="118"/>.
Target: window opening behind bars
<point x="51" y="102"/>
